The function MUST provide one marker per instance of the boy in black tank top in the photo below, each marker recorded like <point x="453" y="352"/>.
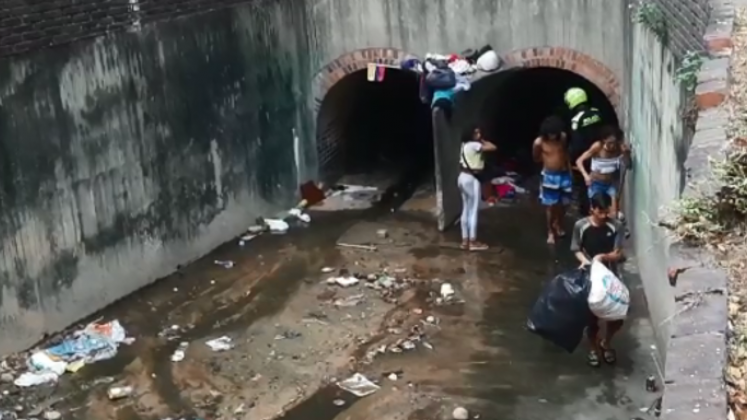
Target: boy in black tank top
<point x="599" y="237"/>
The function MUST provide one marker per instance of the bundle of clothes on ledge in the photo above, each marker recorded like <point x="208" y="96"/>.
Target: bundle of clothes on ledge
<point x="443" y="76"/>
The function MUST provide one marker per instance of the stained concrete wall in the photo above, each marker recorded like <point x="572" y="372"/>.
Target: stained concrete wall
<point x="656" y="133"/>
<point x="127" y="155"/>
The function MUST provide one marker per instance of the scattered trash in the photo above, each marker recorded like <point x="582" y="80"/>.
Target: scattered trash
<point x="256" y="229"/>
<point x="220" y="344"/>
<point x="349" y="301"/>
<point x="224" y="264"/>
<point x="246" y="238"/>
<point x="345" y="281"/>
<point x="355" y="246"/>
<point x="297" y="213"/>
<point x="52" y="415"/>
<point x="6" y="377"/>
<point x="651" y="384"/>
<point x="447" y="291"/>
<point x="240" y="409"/>
<point x="35" y="378"/>
<point x="179" y="353"/>
<point x="276" y="225"/>
<point x="338" y="402"/>
<point x="382" y="233"/>
<point x="358" y="385"/>
<point x="170" y="333"/>
<point x="288" y="335"/>
<point x="460" y="413"/>
<point x="393" y="376"/>
<point x="407" y="345"/>
<point x="311" y="194"/>
<point x="94" y="343"/>
<point x="119" y="392"/>
<point x="327" y="269"/>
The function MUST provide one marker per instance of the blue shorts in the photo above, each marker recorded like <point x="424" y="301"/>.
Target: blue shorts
<point x="556" y="188"/>
<point x="598" y="187"/>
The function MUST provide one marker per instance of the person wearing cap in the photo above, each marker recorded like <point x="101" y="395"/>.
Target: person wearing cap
<point x="586" y="124"/>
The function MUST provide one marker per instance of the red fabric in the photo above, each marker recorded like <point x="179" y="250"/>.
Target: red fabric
<point x="504" y="190"/>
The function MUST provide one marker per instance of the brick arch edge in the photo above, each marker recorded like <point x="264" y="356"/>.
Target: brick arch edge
<point x="349" y="63"/>
<point x="556" y="57"/>
<point x="568" y="59"/>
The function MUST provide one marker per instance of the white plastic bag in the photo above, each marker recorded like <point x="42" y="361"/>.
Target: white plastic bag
<point x="489" y="61"/>
<point x="609" y="298"/>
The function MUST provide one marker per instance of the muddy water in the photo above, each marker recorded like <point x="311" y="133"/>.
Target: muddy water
<point x="483" y="358"/>
<point x="488" y="361"/>
<point x="187" y="295"/>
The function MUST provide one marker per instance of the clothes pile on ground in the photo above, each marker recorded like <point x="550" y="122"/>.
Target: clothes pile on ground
<point x="506" y="186"/>
<point x="572" y="299"/>
<point x="96" y="342"/>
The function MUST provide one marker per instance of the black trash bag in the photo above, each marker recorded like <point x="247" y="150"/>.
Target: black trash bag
<point x="470" y="55"/>
<point x="561" y="312"/>
<point x="440" y="79"/>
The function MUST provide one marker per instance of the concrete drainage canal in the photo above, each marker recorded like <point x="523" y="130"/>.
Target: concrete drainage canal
<point x="371" y="310"/>
<point x="299" y="312"/>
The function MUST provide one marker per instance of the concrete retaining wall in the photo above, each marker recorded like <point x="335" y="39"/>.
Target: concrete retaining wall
<point x="697" y="347"/>
<point x="124" y="156"/>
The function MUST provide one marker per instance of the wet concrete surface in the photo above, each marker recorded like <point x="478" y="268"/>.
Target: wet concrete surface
<point x="292" y="342"/>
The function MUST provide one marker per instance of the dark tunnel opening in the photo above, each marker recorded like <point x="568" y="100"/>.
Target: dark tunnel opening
<point x="376" y="132"/>
<point x="513" y="111"/>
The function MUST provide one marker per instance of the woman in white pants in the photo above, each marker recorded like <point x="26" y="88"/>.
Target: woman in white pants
<point x="472" y="163"/>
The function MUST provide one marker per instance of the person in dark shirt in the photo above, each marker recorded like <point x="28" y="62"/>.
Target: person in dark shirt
<point x="586" y="123"/>
<point x="598" y="237"/>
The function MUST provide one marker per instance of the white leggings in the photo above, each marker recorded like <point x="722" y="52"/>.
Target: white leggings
<point x="470" y="188"/>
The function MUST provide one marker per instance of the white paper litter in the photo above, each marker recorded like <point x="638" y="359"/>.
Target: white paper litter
<point x="277" y="225"/>
<point x="297" y="213"/>
<point x="344" y="281"/>
<point x="33" y="378"/>
<point x="220" y="344"/>
<point x="358" y="385"/>
<point x="447" y="291"/>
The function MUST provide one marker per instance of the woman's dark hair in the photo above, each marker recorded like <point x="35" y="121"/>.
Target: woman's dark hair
<point x="552" y="126"/>
<point x="601" y="201"/>
<point x="469" y="134"/>
<point x="608" y="131"/>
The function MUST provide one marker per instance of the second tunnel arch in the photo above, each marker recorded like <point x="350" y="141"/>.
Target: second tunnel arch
<point x="470" y="105"/>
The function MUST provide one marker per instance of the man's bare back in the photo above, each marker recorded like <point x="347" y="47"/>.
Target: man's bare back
<point x="552" y="153"/>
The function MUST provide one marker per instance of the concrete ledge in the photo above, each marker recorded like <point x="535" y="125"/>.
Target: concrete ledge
<point x="697" y="352"/>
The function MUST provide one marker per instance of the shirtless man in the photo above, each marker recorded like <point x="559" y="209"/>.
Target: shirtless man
<point x="550" y="148"/>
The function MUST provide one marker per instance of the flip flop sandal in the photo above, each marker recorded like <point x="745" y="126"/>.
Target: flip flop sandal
<point x="478" y="247"/>
<point x="593" y="359"/>
<point x="609" y="355"/>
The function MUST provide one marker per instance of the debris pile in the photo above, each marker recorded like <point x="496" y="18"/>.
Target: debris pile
<point x="95" y="342"/>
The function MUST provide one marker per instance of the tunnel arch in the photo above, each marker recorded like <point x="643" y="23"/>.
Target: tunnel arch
<point x="340" y="90"/>
<point x="573" y="61"/>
